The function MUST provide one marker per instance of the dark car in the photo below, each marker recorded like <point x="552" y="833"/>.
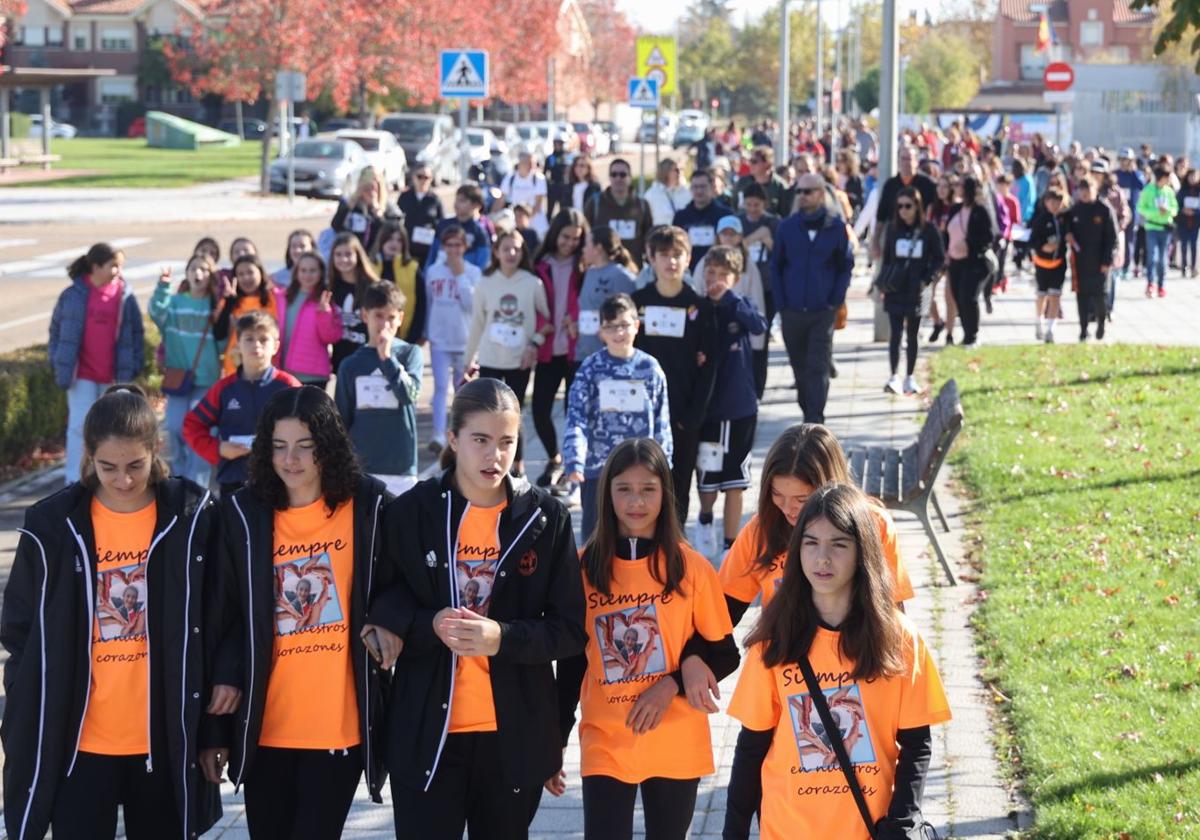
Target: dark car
<point x="614" y="133"/>
<point x="252" y="129"/>
<point x="338" y="123"/>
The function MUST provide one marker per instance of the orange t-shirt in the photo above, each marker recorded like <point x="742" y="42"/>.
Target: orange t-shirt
<point x="312" y="703"/>
<point x="804" y="793"/>
<point x="472" y="708"/>
<point x="242" y="306"/>
<point x="636" y="636"/>
<point x="742" y="578"/>
<point x="118" y="710"/>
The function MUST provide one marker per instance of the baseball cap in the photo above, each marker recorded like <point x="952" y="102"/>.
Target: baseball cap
<point x="729" y="223"/>
<point x="1126" y="153"/>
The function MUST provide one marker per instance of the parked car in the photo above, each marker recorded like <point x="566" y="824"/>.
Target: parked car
<point x="535" y="137"/>
<point x="252" y="129"/>
<point x="325" y="168"/>
<point x="480" y="141"/>
<point x="61" y="130"/>
<point x="338" y="123"/>
<point x="137" y="128"/>
<point x="586" y="135"/>
<point x="687" y="134"/>
<point x="691" y="115"/>
<point x="507" y="137"/>
<point x="383" y="152"/>
<point x="426" y="139"/>
<point x="614" y="136"/>
<point x="666" y="130"/>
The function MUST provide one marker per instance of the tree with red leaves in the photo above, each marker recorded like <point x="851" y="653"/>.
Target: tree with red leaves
<point x="10" y="10"/>
<point x="612" y="59"/>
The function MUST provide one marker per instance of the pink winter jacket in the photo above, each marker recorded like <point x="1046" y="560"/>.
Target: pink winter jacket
<point x="308" y="350"/>
<point x="545" y="273"/>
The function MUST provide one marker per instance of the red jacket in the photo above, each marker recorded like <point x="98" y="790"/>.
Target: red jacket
<point x="546" y="351"/>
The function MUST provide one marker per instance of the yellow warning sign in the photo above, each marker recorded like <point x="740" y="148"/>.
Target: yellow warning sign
<point x="657" y="59"/>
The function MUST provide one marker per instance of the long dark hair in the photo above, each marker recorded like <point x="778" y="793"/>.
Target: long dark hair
<point x="122" y="412"/>
<point x="479" y="396"/>
<point x="871" y="636"/>
<point x="287" y="252"/>
<point x="524" y="264"/>
<point x="334" y="454"/>
<point x="364" y="272"/>
<point x="293" y="288"/>
<point x="809" y="452"/>
<point x="264" y="284"/>
<point x="915" y="196"/>
<point x="667" y="564"/>
<point x="386" y="231"/>
<point x="565" y="218"/>
<point x="97" y="255"/>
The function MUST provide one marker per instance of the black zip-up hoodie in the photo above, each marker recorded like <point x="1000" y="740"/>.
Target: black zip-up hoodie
<point x="46" y="627"/>
<point x="537" y="599"/>
<point x="245" y="655"/>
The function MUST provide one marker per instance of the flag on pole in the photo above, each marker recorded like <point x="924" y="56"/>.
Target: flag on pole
<point x="1045" y="35"/>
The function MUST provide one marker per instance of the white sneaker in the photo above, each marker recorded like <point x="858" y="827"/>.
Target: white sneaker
<point x="910" y="385"/>
<point x="706" y="538"/>
<point x="892" y="386"/>
<point x="1038" y="332"/>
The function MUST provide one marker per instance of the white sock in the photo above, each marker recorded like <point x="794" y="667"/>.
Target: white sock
<point x="1050" y="326"/>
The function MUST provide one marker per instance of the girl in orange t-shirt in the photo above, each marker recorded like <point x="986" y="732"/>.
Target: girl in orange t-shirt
<point x="643" y="721"/>
<point x="804" y="457"/>
<point x="835" y="607"/>
<point x="303" y="547"/>
<point x="252" y="290"/>
<point x="83" y="724"/>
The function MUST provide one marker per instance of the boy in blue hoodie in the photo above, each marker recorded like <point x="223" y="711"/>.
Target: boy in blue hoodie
<point x="618" y="393"/>
<point x="376" y="393"/>
<point x="727" y="436"/>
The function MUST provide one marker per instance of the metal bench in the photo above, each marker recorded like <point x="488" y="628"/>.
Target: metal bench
<point x="903" y="479"/>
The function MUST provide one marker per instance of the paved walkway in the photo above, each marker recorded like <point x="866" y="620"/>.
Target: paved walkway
<point x="964" y="796"/>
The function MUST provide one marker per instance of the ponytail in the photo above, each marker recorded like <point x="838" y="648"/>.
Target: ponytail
<point x="97" y="255"/>
<point x="122" y="412"/>
<point x="477" y="396"/>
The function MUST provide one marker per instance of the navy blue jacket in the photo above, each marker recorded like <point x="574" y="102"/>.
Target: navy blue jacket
<point x="479" y="243"/>
<point x="66" y="333"/>
<point x="811" y="275"/>
<point x="735" y="319"/>
<point x="693" y="217"/>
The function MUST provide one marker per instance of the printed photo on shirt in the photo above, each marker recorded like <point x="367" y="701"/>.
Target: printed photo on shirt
<point x="630" y="643"/>
<point x="812" y="740"/>
<point x="121" y="602"/>
<point x="305" y="595"/>
<point x="475" y="580"/>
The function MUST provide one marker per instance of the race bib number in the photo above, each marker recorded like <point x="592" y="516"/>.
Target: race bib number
<point x="242" y="440"/>
<point x="711" y="457"/>
<point x="1192" y="202"/>
<point x="626" y="229"/>
<point x="624" y="395"/>
<point x="423" y="235"/>
<point x="372" y="393"/>
<point x="357" y="223"/>
<point x="666" y="321"/>
<point x="506" y="335"/>
<point x="589" y="322"/>
<point x="906" y="249"/>
<point x="702" y="237"/>
<point x="1020" y="233"/>
<point x="757" y="252"/>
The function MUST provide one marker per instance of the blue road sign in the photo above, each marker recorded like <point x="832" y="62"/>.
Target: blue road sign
<point x="643" y="93"/>
<point x="464" y="74"/>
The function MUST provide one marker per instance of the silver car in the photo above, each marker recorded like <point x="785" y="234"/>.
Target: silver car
<point x="324" y="168"/>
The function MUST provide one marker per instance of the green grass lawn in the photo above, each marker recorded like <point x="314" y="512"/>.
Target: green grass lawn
<point x="1085" y="462"/>
<point x="131" y="163"/>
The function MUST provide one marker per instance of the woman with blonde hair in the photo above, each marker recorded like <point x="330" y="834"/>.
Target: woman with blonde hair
<point x="668" y="194"/>
<point x="363" y="212"/>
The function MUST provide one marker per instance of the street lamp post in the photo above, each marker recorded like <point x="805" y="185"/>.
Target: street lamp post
<point x="820" y="72"/>
<point x="781" y="151"/>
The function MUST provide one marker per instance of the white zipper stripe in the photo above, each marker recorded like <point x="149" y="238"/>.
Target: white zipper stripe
<point x="187" y="601"/>
<point x="37" y="763"/>
<point x="150" y="693"/>
<point x="366" y="654"/>
<point x="91" y="606"/>
<point x="250" y="630"/>
<point x="452" y="554"/>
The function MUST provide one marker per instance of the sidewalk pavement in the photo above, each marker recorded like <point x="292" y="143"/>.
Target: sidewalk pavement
<point x="965" y="796"/>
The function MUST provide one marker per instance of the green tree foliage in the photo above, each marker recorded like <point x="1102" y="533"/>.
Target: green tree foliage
<point x="949" y="65"/>
<point x="916" y="92"/>
<point x="1179" y="25"/>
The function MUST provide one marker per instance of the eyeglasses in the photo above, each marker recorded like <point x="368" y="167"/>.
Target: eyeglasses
<point x="619" y="327"/>
<point x="618" y="174"/>
<point x="905" y="205"/>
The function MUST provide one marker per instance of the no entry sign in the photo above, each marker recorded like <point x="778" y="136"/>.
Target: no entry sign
<point x="1058" y="75"/>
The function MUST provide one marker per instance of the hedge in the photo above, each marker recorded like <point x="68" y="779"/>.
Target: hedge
<point x="33" y="409"/>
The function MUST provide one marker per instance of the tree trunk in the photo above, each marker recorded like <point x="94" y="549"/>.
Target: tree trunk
<point x="264" y="177"/>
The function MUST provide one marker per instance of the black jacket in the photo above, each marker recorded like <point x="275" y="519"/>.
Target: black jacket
<point x="1045" y="226"/>
<point x="46" y="627"/>
<point x="426" y="212"/>
<point x="246" y="647"/>
<point x="1095" y="233"/>
<point x="917" y="272"/>
<point x="537" y="599"/>
<point x="981" y="230"/>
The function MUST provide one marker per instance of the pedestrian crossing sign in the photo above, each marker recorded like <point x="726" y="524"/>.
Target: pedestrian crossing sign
<point x="464" y="74"/>
<point x="643" y="93"/>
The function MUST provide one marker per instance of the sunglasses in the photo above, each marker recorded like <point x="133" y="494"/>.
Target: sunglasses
<point x="905" y="205"/>
<point x="809" y="190"/>
<point x="618" y="174"/>
<point x="422" y="177"/>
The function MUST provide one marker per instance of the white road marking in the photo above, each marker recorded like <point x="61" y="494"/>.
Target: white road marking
<point x="45" y="261"/>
